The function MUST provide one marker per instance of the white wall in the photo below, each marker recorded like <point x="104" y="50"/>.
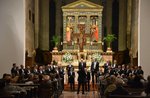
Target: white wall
<point x="12" y="34"/>
<point x="144" y="37"/>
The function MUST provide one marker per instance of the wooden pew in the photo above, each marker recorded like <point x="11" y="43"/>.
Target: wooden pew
<point x="7" y="96"/>
<point x="127" y="96"/>
<point x="45" y="93"/>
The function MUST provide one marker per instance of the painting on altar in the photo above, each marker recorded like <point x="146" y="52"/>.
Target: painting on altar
<point x="82" y="23"/>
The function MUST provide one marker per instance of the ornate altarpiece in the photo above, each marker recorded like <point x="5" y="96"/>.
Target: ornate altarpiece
<point x="82" y="17"/>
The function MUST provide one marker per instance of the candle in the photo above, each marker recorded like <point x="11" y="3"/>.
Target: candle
<point x="61" y="43"/>
<point x="102" y="43"/>
<point x="72" y="43"/>
<point x="91" y="43"/>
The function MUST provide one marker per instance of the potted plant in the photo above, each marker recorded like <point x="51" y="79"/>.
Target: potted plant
<point x="55" y="40"/>
<point x="109" y="39"/>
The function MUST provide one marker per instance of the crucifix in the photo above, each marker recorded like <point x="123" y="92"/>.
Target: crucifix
<point x="81" y="37"/>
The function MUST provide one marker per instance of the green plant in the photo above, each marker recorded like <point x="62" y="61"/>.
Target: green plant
<point x="55" y="40"/>
<point x="109" y="39"/>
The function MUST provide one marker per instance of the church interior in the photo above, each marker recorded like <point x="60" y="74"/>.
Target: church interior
<point x="60" y="41"/>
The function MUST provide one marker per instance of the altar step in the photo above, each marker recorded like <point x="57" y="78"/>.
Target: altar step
<point x="67" y="87"/>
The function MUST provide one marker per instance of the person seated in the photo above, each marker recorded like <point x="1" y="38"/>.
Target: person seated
<point x="111" y="86"/>
<point x="120" y="90"/>
<point x="136" y="83"/>
<point x="147" y="87"/>
<point x="2" y="86"/>
<point x="12" y="89"/>
<point x="46" y="82"/>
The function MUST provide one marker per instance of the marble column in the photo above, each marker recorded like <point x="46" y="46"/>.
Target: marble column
<point x="100" y="27"/>
<point x="76" y="22"/>
<point x="64" y="28"/>
<point x="30" y="37"/>
<point x="129" y="10"/>
<point x="122" y="25"/>
<point x="134" y="28"/>
<point x="36" y="43"/>
<point x="109" y="16"/>
<point x="58" y="29"/>
<point x="88" y="24"/>
<point x="44" y="25"/>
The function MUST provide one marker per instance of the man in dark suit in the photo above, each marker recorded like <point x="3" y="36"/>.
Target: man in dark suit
<point x="128" y="71"/>
<point x="61" y="75"/>
<point x="35" y="70"/>
<point x="47" y="69"/>
<point x="69" y="68"/>
<point x="81" y="80"/>
<point x="94" y="70"/>
<point x="27" y="72"/>
<point x="114" y="64"/>
<point x="106" y="67"/>
<point x="14" y="70"/>
<point x="88" y="78"/>
<point x="71" y="79"/>
<point x="21" y="71"/>
<point x="82" y="65"/>
<point x="140" y="71"/>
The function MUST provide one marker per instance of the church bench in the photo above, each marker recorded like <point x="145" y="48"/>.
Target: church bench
<point x="45" y="93"/>
<point x="7" y="96"/>
<point x="127" y="96"/>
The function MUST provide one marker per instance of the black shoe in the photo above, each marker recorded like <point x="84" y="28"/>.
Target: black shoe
<point x="82" y="93"/>
<point x="77" y="92"/>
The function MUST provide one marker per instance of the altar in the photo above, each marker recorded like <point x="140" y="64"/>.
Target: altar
<point x="82" y="34"/>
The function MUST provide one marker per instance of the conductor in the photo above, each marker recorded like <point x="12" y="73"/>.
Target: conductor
<point x="81" y="80"/>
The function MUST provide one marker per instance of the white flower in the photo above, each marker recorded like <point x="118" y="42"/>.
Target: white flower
<point x="97" y="56"/>
<point x="67" y="57"/>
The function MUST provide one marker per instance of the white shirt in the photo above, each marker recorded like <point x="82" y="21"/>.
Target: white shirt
<point x="95" y="65"/>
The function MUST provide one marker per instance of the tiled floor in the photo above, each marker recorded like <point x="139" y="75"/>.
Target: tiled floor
<point x="69" y="94"/>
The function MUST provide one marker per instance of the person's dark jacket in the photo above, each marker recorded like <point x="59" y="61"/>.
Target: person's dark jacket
<point x="120" y="91"/>
<point x="81" y="76"/>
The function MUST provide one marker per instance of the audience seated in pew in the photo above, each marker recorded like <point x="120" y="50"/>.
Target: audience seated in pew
<point x="2" y="86"/>
<point x="111" y="86"/>
<point x="120" y="90"/>
<point x="11" y="88"/>
<point x="46" y="82"/>
<point x="147" y="87"/>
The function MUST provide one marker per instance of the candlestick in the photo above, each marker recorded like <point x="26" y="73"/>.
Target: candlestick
<point x="102" y="43"/>
<point x="61" y="43"/>
<point x="72" y="43"/>
<point x="91" y="43"/>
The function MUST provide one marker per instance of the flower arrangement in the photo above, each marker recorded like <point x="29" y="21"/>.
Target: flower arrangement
<point x="97" y="56"/>
<point x="67" y="57"/>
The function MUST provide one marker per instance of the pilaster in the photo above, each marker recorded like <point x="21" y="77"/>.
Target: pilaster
<point x="44" y="25"/>
<point x="122" y="25"/>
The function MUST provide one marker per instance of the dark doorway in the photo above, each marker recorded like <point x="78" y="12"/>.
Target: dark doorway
<point x="52" y="22"/>
<point x="115" y="23"/>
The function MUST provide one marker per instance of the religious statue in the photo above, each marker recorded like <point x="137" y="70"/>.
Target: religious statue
<point x="81" y="41"/>
<point x="81" y="38"/>
<point x="94" y="32"/>
<point x="69" y="31"/>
